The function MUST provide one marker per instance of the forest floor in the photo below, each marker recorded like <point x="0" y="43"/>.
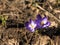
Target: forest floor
<point x="19" y="11"/>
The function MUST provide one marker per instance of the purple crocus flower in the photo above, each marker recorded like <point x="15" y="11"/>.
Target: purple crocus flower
<point x="31" y="25"/>
<point x="38" y="23"/>
<point x="42" y="22"/>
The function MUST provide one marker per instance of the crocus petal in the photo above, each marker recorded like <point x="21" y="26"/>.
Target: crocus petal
<point x="32" y="30"/>
<point x="38" y="20"/>
<point x="27" y="27"/>
<point x="44" y="20"/>
<point x="37" y="24"/>
<point x="46" y="25"/>
<point x="26" y="24"/>
<point x="39" y="17"/>
<point x="31" y="25"/>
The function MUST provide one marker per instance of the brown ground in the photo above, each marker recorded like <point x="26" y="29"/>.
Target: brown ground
<point x="20" y="11"/>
